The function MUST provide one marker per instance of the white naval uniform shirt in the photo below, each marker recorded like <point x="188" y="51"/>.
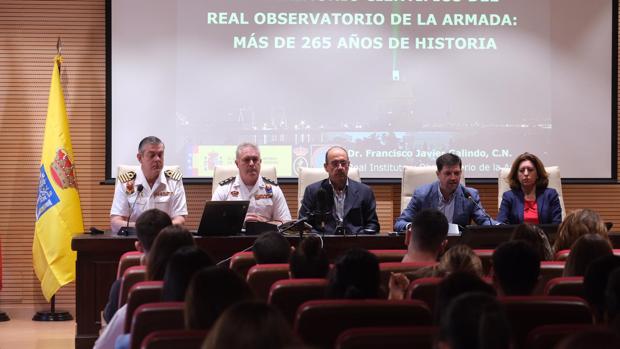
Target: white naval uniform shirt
<point x="266" y="199"/>
<point x="167" y="195"/>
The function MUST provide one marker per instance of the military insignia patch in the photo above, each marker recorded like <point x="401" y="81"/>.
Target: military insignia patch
<point x="234" y="193"/>
<point x="263" y="196"/>
<point x="174" y="174"/>
<point x="62" y="170"/>
<point x="268" y="189"/>
<point x="129" y="187"/>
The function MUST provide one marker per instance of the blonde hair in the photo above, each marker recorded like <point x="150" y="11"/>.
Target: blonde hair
<point x="576" y="224"/>
<point x="461" y="258"/>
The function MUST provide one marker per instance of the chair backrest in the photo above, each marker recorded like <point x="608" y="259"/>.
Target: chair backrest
<point x="262" y="276"/>
<point x="548" y="271"/>
<point x="181" y="339"/>
<point x="424" y="289"/>
<point x="415" y="176"/>
<point x="128" y="259"/>
<point x="309" y="175"/>
<point x="555" y="182"/>
<point x="153" y="317"/>
<point x="389" y="255"/>
<point x="528" y="312"/>
<point x="141" y="293"/>
<point x="486" y="257"/>
<point x="287" y="295"/>
<point x="549" y="336"/>
<point x="387" y="268"/>
<point x="221" y="172"/>
<point x="131" y="276"/>
<point x="241" y="262"/>
<point x="418" y="337"/>
<point x="561" y="255"/>
<point x="126" y="168"/>
<point x="318" y="323"/>
<point x="565" y="286"/>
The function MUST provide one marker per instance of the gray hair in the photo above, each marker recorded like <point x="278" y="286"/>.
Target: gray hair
<point x="335" y="147"/>
<point x="244" y="145"/>
<point x="149" y="140"/>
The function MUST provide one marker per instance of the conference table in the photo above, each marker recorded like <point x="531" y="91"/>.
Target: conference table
<point x="98" y="255"/>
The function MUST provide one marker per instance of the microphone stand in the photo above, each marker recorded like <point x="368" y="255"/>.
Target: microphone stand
<point x="124" y="231"/>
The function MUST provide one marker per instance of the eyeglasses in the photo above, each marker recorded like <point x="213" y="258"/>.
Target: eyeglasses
<point x="336" y="163"/>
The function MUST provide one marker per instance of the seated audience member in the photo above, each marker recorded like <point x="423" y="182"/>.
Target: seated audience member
<point x="350" y="205"/>
<point x="250" y="325"/>
<point x="459" y="258"/>
<point x="354" y="276"/>
<point x="148" y="225"/>
<point x="516" y="268"/>
<point x="183" y="264"/>
<point x="271" y="248"/>
<point x="599" y="338"/>
<point x="309" y="259"/>
<point x="212" y="291"/>
<point x="456" y="284"/>
<point x="612" y="300"/>
<point x="586" y="249"/>
<point x="166" y="243"/>
<point x="472" y="321"/>
<point x="458" y="203"/>
<point x="267" y="202"/>
<point x="426" y="239"/>
<point x="577" y="224"/>
<point x="595" y="283"/>
<point x="536" y="237"/>
<point x="529" y="199"/>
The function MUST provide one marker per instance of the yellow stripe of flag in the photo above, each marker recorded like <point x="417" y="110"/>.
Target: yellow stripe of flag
<point x="58" y="212"/>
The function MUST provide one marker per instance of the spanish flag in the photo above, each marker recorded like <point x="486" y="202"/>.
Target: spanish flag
<point x="58" y="212"/>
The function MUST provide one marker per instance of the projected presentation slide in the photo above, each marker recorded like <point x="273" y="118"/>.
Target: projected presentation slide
<point x="394" y="82"/>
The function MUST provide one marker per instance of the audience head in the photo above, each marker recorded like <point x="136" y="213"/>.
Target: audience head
<point x="585" y="250"/>
<point x="474" y="320"/>
<point x="309" y="259"/>
<point x="250" y="325"/>
<point x="456" y="284"/>
<point x="355" y="276"/>
<point x="148" y="225"/>
<point x="211" y="291"/>
<point x="595" y="283"/>
<point x="429" y="230"/>
<point x="612" y="298"/>
<point x="271" y="247"/>
<point x="461" y="258"/>
<point x="537" y="173"/>
<point x="536" y="237"/>
<point x="516" y="267"/>
<point x="576" y="224"/>
<point x="166" y="243"/>
<point x="183" y="264"/>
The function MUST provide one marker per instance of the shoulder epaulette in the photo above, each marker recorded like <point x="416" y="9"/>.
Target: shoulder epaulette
<point x="270" y="181"/>
<point x="227" y="180"/>
<point x="174" y="174"/>
<point x="126" y="176"/>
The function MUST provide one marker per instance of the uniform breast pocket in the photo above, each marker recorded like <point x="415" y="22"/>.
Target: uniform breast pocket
<point x="163" y="203"/>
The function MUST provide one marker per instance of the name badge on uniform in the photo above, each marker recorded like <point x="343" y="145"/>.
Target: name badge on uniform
<point x="162" y="193"/>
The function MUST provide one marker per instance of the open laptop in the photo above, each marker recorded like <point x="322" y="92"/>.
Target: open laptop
<point x="223" y="218"/>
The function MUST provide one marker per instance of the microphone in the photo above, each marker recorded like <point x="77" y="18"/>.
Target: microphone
<point x="125" y="231"/>
<point x="468" y="197"/>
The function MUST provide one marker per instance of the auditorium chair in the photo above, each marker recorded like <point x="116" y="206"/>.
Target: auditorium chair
<point x="555" y="182"/>
<point x="287" y="295"/>
<point x="128" y="259"/>
<point x="222" y="172"/>
<point x="548" y="271"/>
<point x="418" y="337"/>
<point x="424" y="289"/>
<point x="415" y="176"/>
<point x="565" y="286"/>
<point x="132" y="276"/>
<point x="153" y="317"/>
<point x="318" y="323"/>
<point x="387" y="268"/>
<point x="179" y="339"/>
<point x="548" y="336"/>
<point x="241" y="262"/>
<point x="486" y="257"/>
<point x="309" y="175"/>
<point x="562" y="255"/>
<point x="389" y="255"/>
<point x="262" y="276"/>
<point x="141" y="293"/>
<point x="528" y="312"/>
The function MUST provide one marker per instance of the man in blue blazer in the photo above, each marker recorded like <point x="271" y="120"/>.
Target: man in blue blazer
<point x="338" y="204"/>
<point x="447" y="195"/>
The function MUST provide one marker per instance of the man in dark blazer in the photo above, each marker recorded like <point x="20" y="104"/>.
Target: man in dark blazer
<point x="446" y="194"/>
<point x="338" y="204"/>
